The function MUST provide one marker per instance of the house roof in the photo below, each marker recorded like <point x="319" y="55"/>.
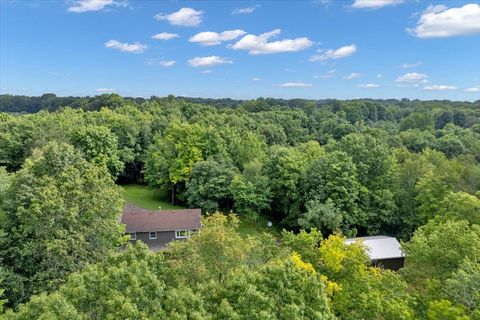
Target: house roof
<point x="380" y="247"/>
<point x="143" y="220"/>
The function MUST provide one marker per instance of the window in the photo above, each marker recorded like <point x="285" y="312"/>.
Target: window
<point x="152" y="235"/>
<point x="133" y="236"/>
<point x="182" y="234"/>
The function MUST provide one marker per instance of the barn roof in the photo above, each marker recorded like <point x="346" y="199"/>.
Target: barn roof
<point x="380" y="247"/>
<point x="143" y="220"/>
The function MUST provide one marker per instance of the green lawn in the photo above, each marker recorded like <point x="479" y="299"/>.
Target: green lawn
<point x="147" y="197"/>
<point x="249" y="228"/>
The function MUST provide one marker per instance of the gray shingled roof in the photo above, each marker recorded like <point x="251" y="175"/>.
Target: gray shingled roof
<point x="380" y="247"/>
<point x="143" y="220"/>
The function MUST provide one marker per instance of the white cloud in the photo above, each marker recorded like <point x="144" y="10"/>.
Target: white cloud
<point x="352" y="76"/>
<point x="135" y="47"/>
<point x="374" y="4"/>
<point x="186" y="17"/>
<point x="439" y="21"/>
<point x="246" y="10"/>
<point x="256" y="79"/>
<point x="105" y="90"/>
<point x="439" y="88"/>
<point x="165" y="36"/>
<point x="79" y="6"/>
<point x="206" y="71"/>
<point x="208" y="61"/>
<point x="167" y="63"/>
<point x="296" y="84"/>
<point x="368" y="85"/>
<point x="379" y="75"/>
<point x="209" y="38"/>
<point x="473" y="90"/>
<point x="411" y="65"/>
<point x="342" y="52"/>
<point x="413" y="77"/>
<point x="260" y="45"/>
<point x="326" y="75"/>
<point x="163" y="63"/>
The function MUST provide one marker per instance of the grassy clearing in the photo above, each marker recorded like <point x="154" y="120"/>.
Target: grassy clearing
<point x="147" y="197"/>
<point x="247" y="227"/>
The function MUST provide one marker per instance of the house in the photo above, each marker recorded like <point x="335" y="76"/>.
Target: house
<point x="159" y="227"/>
<point x="384" y="252"/>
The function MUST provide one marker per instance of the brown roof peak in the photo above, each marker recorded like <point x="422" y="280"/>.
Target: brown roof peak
<point x="142" y="220"/>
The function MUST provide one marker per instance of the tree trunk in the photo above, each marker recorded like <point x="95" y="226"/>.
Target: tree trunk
<point x="173" y="193"/>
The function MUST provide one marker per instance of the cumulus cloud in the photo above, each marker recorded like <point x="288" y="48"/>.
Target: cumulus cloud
<point x="296" y="84"/>
<point x="209" y="38"/>
<point x="104" y="90"/>
<point x="439" y="21"/>
<point x="342" y="52"/>
<point x="256" y="79"/>
<point x="411" y="65"/>
<point x="79" y="6"/>
<point x="413" y="77"/>
<point x="165" y="36"/>
<point x="368" y="85"/>
<point x="352" y="76"/>
<point x="473" y="90"/>
<point x="246" y="10"/>
<point x="260" y="44"/>
<point x="208" y="61"/>
<point x="186" y="17"/>
<point x="135" y="47"/>
<point x="374" y="4"/>
<point x="439" y="88"/>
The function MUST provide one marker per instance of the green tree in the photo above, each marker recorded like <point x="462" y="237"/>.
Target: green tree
<point x="444" y="310"/>
<point x="214" y="253"/>
<point x="334" y="177"/>
<point x="416" y="120"/>
<point x="437" y="250"/>
<point x="171" y="157"/>
<point x="99" y="145"/>
<point x="322" y="215"/>
<point x="376" y="171"/>
<point x="61" y="212"/>
<point x="463" y="287"/>
<point x="416" y="140"/>
<point x="251" y="191"/>
<point x="285" y="168"/>
<point x="208" y="185"/>
<point x="461" y="206"/>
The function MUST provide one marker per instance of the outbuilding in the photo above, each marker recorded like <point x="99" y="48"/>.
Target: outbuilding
<point x="384" y="252"/>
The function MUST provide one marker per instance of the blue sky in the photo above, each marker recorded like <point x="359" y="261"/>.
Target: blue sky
<point x="286" y="49"/>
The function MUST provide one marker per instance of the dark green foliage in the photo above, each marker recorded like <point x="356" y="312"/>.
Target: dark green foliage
<point x="60" y="212"/>
<point x="208" y="185"/>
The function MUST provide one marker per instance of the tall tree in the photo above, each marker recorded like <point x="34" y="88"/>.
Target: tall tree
<point x="333" y="178"/>
<point x="208" y="185"/>
<point x="61" y="212"/>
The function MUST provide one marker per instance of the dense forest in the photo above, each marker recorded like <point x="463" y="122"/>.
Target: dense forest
<point x="321" y="170"/>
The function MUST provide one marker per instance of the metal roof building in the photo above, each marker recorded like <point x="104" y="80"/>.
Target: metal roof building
<point x="383" y="251"/>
